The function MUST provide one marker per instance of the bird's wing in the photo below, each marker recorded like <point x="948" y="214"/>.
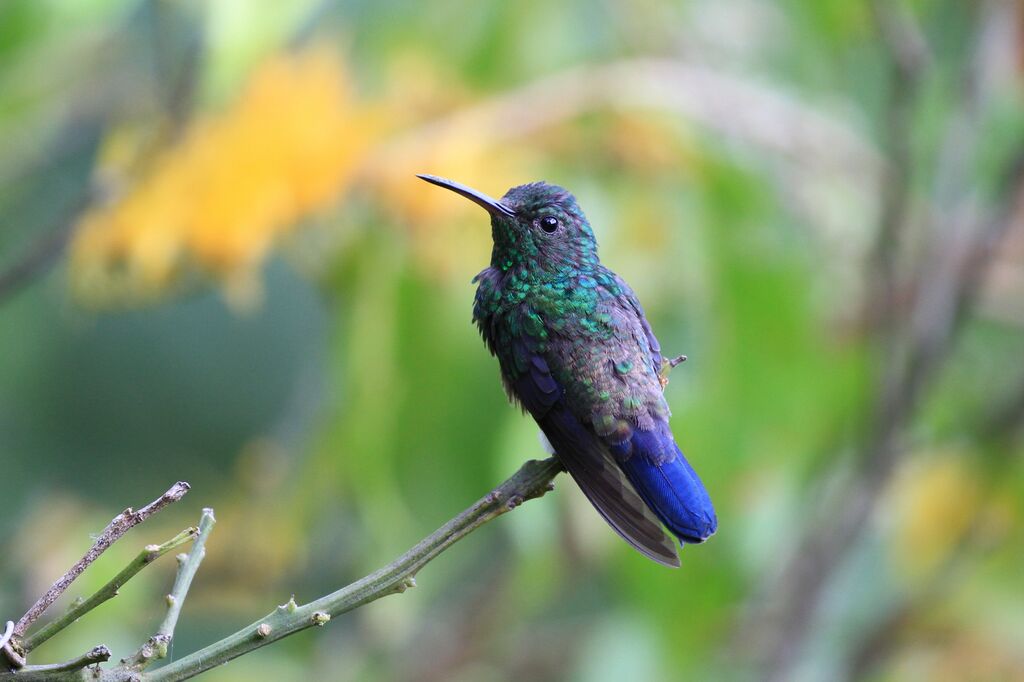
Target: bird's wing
<point x="587" y="457"/>
<point x="633" y="420"/>
<point x="628" y="299"/>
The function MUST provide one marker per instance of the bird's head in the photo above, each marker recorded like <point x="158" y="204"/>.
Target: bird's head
<point x="537" y="226"/>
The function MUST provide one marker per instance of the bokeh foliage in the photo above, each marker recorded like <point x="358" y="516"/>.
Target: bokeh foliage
<point x="240" y="283"/>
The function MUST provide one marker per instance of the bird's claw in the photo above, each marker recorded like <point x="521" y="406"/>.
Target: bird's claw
<point x="667" y="364"/>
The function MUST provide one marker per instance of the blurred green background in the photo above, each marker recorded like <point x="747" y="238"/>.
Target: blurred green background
<point x="216" y="265"/>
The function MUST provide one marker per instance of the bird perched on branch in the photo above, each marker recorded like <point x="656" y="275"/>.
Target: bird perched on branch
<point x="577" y="353"/>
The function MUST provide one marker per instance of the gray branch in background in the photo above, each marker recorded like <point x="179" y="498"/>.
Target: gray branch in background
<point x="812" y="141"/>
<point x="946" y="286"/>
<point x="735" y="106"/>
<point x="909" y="60"/>
<point x="973" y="544"/>
<point x="44" y="252"/>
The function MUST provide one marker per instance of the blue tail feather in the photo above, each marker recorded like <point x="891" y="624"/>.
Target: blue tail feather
<point x="659" y="472"/>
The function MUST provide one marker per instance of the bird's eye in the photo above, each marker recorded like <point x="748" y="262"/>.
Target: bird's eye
<point x="549" y="224"/>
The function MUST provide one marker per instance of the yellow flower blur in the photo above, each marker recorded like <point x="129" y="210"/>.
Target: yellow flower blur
<point x="215" y="203"/>
<point x="937" y="504"/>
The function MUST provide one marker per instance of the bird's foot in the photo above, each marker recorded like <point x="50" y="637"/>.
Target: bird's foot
<point x="667" y="365"/>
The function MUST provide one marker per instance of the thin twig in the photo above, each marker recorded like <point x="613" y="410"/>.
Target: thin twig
<point x="185" y="575"/>
<point x="531" y="481"/>
<point x="8" y="633"/>
<point x="60" y="672"/>
<point x="157" y="645"/>
<point x="120" y="525"/>
<point x="42" y="254"/>
<point x="148" y="555"/>
<point x="901" y="36"/>
<point x="1008" y="418"/>
<point x="908" y="59"/>
<point x="667" y="365"/>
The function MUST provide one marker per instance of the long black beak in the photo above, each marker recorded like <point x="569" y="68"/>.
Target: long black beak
<point x="493" y="206"/>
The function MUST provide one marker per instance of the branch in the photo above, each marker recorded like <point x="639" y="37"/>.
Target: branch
<point x="8" y="633"/>
<point x="947" y="284"/>
<point x="730" y="104"/>
<point x="1007" y="418"/>
<point x="120" y="525"/>
<point x="156" y="646"/>
<point x="946" y="299"/>
<point x="908" y="60"/>
<point x="148" y="555"/>
<point x="45" y="251"/>
<point x="61" y="672"/>
<point x="532" y="480"/>
<point x="901" y="36"/>
<point x="875" y="646"/>
<point x="37" y="260"/>
<point x="186" y="572"/>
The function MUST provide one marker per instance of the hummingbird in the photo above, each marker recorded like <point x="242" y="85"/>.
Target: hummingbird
<point x="577" y="353"/>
